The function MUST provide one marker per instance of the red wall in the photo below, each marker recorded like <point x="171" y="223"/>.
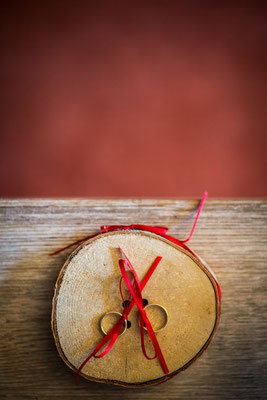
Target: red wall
<point x="133" y="98"/>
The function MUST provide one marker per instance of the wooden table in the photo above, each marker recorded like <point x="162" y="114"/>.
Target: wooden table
<point x="231" y="236"/>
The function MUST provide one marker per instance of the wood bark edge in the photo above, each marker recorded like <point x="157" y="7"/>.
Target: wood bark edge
<point x="120" y="383"/>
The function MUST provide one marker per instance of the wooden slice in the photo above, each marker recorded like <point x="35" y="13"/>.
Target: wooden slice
<point x="88" y="287"/>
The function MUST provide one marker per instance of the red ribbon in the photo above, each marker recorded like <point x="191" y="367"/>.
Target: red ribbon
<point x="136" y="296"/>
<point x="162" y="231"/>
<point x="159" y="230"/>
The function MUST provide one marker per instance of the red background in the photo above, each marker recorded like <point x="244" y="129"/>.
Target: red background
<point x="133" y="98"/>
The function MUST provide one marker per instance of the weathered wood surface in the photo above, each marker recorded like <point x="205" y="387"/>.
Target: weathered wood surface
<point x="231" y="236"/>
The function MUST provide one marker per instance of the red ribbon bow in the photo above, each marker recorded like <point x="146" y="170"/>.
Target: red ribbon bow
<point x="137" y="299"/>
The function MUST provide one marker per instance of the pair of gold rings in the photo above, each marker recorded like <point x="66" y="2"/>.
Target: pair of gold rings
<point x="125" y="322"/>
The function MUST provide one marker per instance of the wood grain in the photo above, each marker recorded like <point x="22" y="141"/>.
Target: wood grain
<point x="231" y="236"/>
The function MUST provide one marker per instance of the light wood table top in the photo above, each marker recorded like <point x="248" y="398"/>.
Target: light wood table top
<point x="231" y="236"/>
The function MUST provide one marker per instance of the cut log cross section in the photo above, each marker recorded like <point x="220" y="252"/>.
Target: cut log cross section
<point x="88" y="287"/>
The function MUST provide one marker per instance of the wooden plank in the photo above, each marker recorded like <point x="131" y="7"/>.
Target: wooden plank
<point x="231" y="236"/>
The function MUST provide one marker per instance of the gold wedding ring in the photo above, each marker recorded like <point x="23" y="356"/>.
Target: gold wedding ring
<point x="109" y="313"/>
<point x="166" y="317"/>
